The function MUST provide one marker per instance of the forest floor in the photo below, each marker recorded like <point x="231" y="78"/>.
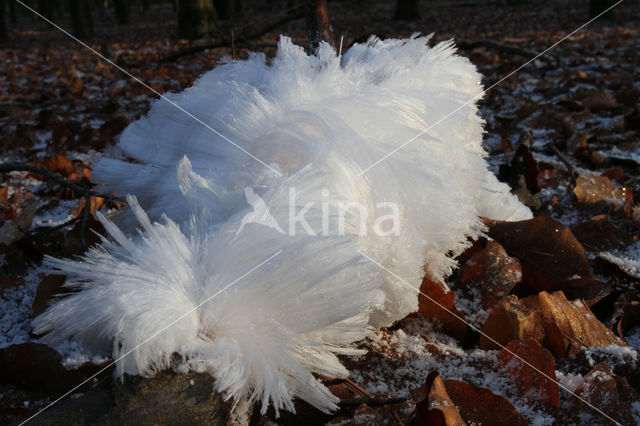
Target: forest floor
<point x="561" y="290"/>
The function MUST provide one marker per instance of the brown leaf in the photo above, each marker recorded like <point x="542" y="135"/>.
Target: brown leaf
<point x="16" y="229"/>
<point x="601" y="100"/>
<point x="491" y="272"/>
<point x="444" y="298"/>
<point x="549" y="253"/>
<point x="538" y="385"/>
<point x="58" y="164"/>
<point x="592" y="189"/>
<point x="511" y="320"/>
<point x="433" y="405"/>
<point x="61" y="136"/>
<point x="610" y="393"/>
<point x="551" y="320"/>
<point x="599" y="234"/>
<point x="577" y="142"/>
<point x="481" y="406"/>
<point x="577" y="324"/>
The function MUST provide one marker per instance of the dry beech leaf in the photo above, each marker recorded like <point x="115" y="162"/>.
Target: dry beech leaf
<point x="442" y="294"/>
<point x="14" y="230"/>
<point x="511" y="320"/>
<point x="561" y="326"/>
<point x="536" y="386"/>
<point x="601" y="100"/>
<point x="433" y="405"/>
<point x="599" y="234"/>
<point x="577" y="142"/>
<point x="491" y="272"/>
<point x="58" y="164"/>
<point x="609" y="392"/>
<point x="579" y="326"/>
<point x="481" y="406"/>
<point x="549" y="253"/>
<point x="591" y="189"/>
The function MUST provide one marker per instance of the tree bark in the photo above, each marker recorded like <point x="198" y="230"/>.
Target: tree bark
<point x="407" y="10"/>
<point x="122" y="11"/>
<point x="318" y="25"/>
<point x="12" y="12"/>
<point x="596" y="7"/>
<point x="4" y="33"/>
<point x="81" y="18"/>
<point x="228" y="9"/>
<point x="196" y="18"/>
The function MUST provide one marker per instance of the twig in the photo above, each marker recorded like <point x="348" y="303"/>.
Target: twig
<point x="565" y="160"/>
<point x="24" y="167"/>
<point x="491" y="44"/>
<point x="371" y="402"/>
<point x="226" y="43"/>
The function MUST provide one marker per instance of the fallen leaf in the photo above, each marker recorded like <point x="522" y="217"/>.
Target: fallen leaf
<point x="16" y="229"/>
<point x="549" y="253"/>
<point x="591" y="189"/>
<point x="577" y="142"/>
<point x="433" y="405"/>
<point x="551" y="320"/>
<point x="441" y="297"/>
<point x="599" y="234"/>
<point x="578" y="325"/>
<point x="491" y="272"/>
<point x="482" y="407"/>
<point x="601" y="100"/>
<point x="539" y="384"/>
<point x="57" y="164"/>
<point x="610" y="393"/>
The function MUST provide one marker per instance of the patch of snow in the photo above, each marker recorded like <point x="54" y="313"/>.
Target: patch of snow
<point x="74" y="355"/>
<point x="628" y="259"/>
<point x="16" y="312"/>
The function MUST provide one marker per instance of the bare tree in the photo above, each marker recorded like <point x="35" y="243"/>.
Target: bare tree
<point x="122" y="11"/>
<point x="196" y="18"/>
<point x="81" y="18"/>
<point x="4" y="33"/>
<point x="596" y="7"/>
<point x="228" y="9"/>
<point x="318" y="25"/>
<point x="407" y="10"/>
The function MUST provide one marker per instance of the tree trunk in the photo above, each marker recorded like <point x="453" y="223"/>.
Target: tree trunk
<point x="228" y="9"/>
<point x="596" y="7"/>
<point x="122" y="11"/>
<point x="12" y="12"/>
<point x="4" y="33"/>
<point x="81" y="18"/>
<point x="407" y="10"/>
<point x="196" y="18"/>
<point x="144" y="6"/>
<point x="318" y="25"/>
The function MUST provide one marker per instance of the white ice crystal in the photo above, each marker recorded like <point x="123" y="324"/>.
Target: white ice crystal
<point x="318" y="123"/>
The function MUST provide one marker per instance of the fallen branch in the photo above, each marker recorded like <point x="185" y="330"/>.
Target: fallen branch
<point x="227" y="42"/>
<point x="506" y="48"/>
<point x="83" y="190"/>
<point x="565" y="160"/>
<point x="371" y="402"/>
<point x="86" y="192"/>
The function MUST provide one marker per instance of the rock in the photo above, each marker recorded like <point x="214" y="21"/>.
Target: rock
<point x="166" y="399"/>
